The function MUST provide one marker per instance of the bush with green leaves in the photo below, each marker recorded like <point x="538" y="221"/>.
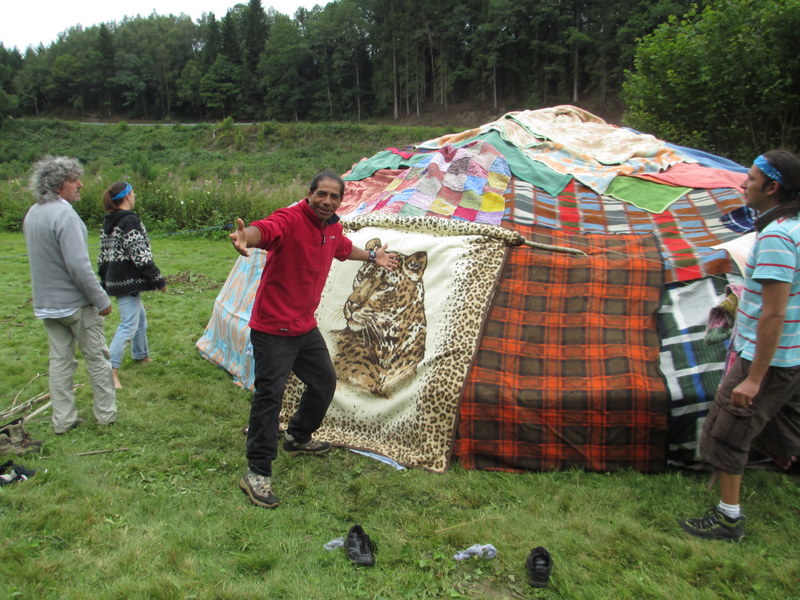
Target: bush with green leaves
<point x="725" y="78"/>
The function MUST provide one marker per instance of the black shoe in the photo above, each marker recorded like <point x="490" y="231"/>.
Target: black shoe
<point x="77" y="422"/>
<point x="539" y="565"/>
<point x="715" y="525"/>
<point x="312" y="446"/>
<point x="259" y="489"/>
<point x="360" y="548"/>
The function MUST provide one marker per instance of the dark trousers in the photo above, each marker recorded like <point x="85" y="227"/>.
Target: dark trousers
<point x="276" y="357"/>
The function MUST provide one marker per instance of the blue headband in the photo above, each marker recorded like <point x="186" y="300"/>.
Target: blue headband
<point x="768" y="170"/>
<point x="125" y="191"/>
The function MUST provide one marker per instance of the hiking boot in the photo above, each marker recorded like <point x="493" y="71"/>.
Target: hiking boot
<point x="360" y="548"/>
<point x="14" y="439"/>
<point x="715" y="525"/>
<point x="259" y="489"/>
<point x="312" y="446"/>
<point x="538" y="566"/>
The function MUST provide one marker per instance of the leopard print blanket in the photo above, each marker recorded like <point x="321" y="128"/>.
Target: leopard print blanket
<point x="403" y="342"/>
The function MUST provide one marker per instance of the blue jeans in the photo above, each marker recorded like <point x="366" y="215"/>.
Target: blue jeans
<point x="132" y="328"/>
<point x="277" y="357"/>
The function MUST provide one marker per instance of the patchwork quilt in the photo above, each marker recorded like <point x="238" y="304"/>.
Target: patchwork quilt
<point x="687" y="231"/>
<point x="466" y="183"/>
<point x="567" y="371"/>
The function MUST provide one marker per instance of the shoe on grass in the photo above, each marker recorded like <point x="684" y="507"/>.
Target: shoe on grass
<point x="75" y="423"/>
<point x="312" y="446"/>
<point x="360" y="548"/>
<point x="538" y="565"/>
<point x="715" y="525"/>
<point x="259" y="489"/>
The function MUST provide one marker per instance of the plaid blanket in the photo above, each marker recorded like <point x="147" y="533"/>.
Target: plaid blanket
<point x="686" y="232"/>
<point x="566" y="374"/>
<point x="692" y="367"/>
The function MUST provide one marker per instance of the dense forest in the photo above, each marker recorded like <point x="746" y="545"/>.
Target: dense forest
<point x="683" y="68"/>
<point x="348" y="60"/>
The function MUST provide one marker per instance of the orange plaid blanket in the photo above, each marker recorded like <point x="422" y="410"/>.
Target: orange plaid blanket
<point x="566" y="374"/>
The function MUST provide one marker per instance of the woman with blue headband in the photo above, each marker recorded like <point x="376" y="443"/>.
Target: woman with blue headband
<point x="758" y="401"/>
<point x="126" y="269"/>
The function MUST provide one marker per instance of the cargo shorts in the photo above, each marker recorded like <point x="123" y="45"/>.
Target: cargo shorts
<point x="771" y="424"/>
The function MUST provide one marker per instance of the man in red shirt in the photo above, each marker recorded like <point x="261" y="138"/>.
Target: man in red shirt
<point x="302" y="241"/>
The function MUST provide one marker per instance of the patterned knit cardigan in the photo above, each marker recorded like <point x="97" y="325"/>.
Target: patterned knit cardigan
<point x="125" y="263"/>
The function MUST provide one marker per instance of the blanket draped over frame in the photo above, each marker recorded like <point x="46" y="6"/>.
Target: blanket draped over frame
<point x="567" y="370"/>
<point x="411" y="421"/>
<point x="226" y="339"/>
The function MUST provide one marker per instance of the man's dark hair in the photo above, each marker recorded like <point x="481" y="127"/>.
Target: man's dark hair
<point x="788" y="197"/>
<point x="328" y="174"/>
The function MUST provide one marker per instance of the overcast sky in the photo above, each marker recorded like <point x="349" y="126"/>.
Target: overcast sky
<point x="26" y="23"/>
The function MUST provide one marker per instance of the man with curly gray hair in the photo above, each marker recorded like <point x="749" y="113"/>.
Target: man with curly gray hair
<point x="67" y="296"/>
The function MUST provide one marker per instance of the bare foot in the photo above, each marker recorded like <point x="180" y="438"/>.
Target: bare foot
<point x="146" y="359"/>
<point x="117" y="384"/>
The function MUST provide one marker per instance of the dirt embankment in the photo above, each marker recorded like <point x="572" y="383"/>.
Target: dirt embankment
<point x="465" y="116"/>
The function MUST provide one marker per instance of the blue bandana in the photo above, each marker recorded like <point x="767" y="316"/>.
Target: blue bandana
<point x="768" y="170"/>
<point x="125" y="191"/>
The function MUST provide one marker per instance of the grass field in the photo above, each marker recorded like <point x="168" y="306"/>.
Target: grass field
<point x="158" y="514"/>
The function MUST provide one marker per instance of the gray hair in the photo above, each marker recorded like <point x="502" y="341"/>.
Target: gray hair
<point x="50" y="173"/>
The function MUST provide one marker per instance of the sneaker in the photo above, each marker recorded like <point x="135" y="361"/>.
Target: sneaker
<point x="715" y="525"/>
<point x="360" y="548"/>
<point x="259" y="489"/>
<point x="312" y="446"/>
<point x="538" y="566"/>
<point x="77" y="422"/>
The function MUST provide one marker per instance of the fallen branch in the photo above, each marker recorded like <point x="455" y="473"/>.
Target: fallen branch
<point x="35" y="377"/>
<point x="102" y="451"/>
<point x="27" y="418"/>
<point x="25" y="406"/>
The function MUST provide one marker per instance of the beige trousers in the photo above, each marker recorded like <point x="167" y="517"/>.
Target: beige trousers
<point x="86" y="328"/>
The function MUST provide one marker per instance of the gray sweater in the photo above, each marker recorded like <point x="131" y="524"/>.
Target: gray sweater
<point x="58" y="253"/>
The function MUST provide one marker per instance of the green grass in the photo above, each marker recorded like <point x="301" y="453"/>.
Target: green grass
<point x="162" y="517"/>
<point x="190" y="176"/>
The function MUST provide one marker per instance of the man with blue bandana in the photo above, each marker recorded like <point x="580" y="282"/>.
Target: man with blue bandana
<point x="758" y="401"/>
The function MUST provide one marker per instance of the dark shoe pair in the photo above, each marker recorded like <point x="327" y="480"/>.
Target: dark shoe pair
<point x="538" y="566"/>
<point x="360" y="548"/>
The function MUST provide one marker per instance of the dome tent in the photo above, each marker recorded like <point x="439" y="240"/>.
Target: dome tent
<point x="535" y="358"/>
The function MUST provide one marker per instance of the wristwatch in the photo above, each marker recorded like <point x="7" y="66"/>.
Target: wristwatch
<point x="372" y="256"/>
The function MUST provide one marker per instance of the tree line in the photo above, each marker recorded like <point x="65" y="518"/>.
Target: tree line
<point x="721" y="74"/>
<point x="348" y="60"/>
